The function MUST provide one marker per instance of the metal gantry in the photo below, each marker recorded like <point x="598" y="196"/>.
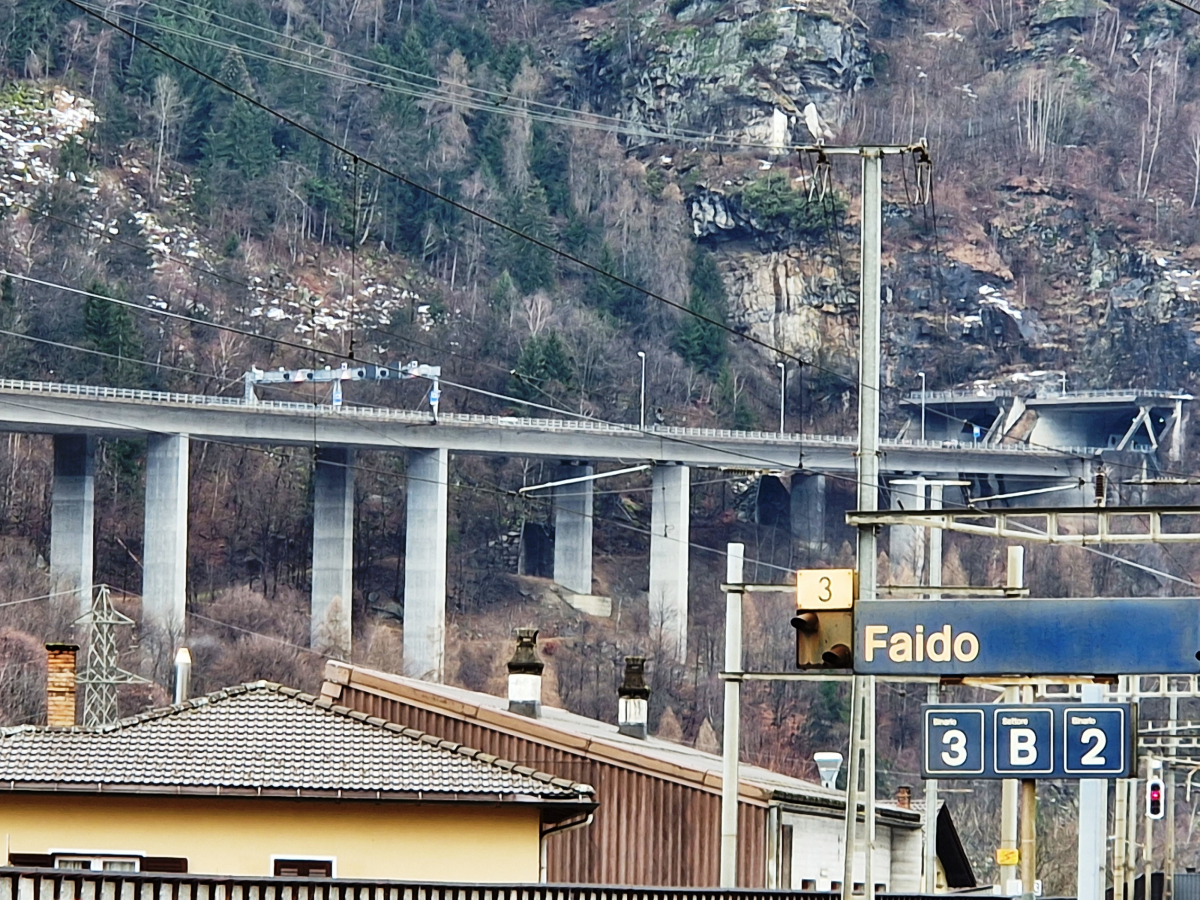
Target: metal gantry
<point x="1070" y="525"/>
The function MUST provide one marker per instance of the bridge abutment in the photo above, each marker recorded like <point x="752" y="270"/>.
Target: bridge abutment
<point x="72" y="517"/>
<point x="164" y="554"/>
<point x="425" y="565"/>
<point x="333" y="551"/>
<point x="573" y="529"/>
<point x="670" y="527"/>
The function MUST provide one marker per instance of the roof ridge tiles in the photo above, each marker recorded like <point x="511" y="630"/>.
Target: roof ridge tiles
<point x="326" y="704"/>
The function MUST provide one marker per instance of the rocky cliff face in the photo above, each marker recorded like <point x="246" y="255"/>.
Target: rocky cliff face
<point x="1033" y="270"/>
<point x="711" y="67"/>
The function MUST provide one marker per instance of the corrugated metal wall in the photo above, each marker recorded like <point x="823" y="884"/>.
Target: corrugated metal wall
<point x="647" y="831"/>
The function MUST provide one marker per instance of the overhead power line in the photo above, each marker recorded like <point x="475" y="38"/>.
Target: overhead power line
<point x="418" y="85"/>
<point x="437" y="195"/>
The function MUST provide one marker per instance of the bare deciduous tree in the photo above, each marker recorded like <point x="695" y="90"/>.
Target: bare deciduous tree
<point x="168" y="109"/>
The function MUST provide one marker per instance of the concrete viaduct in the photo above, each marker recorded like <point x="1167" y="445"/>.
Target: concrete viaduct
<point x="75" y="415"/>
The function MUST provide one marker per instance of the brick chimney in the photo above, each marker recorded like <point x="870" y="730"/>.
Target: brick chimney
<point x="634" y="698"/>
<point x="904" y="797"/>
<point x="60" y="685"/>
<point x="525" y="675"/>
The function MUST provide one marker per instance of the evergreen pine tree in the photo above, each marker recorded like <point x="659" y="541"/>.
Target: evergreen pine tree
<point x="699" y="339"/>
<point x="530" y="265"/>
<point x="109" y="328"/>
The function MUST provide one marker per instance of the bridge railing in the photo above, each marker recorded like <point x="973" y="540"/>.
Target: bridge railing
<point x="77" y="884"/>
<point x="562" y="425"/>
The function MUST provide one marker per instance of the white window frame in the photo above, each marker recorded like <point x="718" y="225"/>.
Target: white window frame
<point x="95" y="861"/>
<point x="307" y="857"/>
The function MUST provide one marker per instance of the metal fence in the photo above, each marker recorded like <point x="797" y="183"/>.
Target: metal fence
<point x="73" y="884"/>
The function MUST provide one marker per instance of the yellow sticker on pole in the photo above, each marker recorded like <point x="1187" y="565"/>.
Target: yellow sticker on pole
<point x="818" y="589"/>
<point x="1008" y="856"/>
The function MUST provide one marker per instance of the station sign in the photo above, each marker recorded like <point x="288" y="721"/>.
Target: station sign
<point x="1043" y="740"/>
<point x="1027" y="637"/>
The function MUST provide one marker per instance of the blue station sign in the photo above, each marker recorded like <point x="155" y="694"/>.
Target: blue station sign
<point x="1044" y="740"/>
<point x="1027" y="637"/>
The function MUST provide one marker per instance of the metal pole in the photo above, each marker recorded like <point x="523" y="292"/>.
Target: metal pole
<point x="1148" y="844"/>
<point x="1131" y="842"/>
<point x="642" y="407"/>
<point x="1009" y="788"/>
<point x="858" y="685"/>
<point x="782" y="393"/>
<point x="1093" y="823"/>
<point x="922" y="374"/>
<point x="732" y="743"/>
<point x="929" y="839"/>
<point x="862" y="740"/>
<point x="935" y="580"/>
<point x="1120" y="815"/>
<point x="1169" y="785"/>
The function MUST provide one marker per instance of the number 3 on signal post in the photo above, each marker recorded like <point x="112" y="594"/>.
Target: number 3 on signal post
<point x="818" y="589"/>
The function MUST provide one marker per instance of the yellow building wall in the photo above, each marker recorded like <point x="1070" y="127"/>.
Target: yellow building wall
<point x="228" y="836"/>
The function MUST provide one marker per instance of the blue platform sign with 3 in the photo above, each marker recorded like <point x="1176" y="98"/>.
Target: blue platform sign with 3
<point x="1043" y="740"/>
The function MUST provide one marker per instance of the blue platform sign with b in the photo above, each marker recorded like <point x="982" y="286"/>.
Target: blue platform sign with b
<point x="1024" y="741"/>
<point x="1044" y="740"/>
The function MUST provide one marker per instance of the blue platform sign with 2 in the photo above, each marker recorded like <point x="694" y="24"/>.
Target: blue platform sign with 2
<point x="1045" y="740"/>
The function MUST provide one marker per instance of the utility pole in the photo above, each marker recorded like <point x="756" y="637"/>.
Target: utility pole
<point x="731" y="746"/>
<point x="1009" y="787"/>
<point x="862" y="738"/>
<point x="1093" y="823"/>
<point x="1169" y="787"/>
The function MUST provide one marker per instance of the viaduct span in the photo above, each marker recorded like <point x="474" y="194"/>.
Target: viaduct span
<point x="76" y="414"/>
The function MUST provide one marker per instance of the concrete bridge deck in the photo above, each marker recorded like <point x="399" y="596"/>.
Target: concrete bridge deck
<point x="77" y="414"/>
<point x="53" y="408"/>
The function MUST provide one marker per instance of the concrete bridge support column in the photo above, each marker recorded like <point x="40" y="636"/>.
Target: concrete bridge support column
<point x="670" y="523"/>
<point x="573" y="529"/>
<point x="425" y="565"/>
<point x="808" y="511"/>
<point x="906" y="543"/>
<point x="72" y="514"/>
<point x="333" y="552"/>
<point x="164" y="553"/>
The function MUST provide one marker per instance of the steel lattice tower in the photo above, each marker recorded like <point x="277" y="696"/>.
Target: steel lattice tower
<point x="102" y="673"/>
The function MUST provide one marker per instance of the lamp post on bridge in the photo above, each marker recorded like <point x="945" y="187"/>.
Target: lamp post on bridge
<point x="921" y="375"/>
<point x="642" y="405"/>
<point x="782" y="392"/>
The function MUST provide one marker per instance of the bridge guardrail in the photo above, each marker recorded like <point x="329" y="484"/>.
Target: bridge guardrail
<point x="403" y="415"/>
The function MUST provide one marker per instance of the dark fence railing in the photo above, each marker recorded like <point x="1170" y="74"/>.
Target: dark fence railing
<point x="73" y="884"/>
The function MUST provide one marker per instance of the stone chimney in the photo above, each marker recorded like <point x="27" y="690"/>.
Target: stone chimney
<point x="634" y="698"/>
<point x="904" y="797"/>
<point x="525" y="675"/>
<point x="60" y="685"/>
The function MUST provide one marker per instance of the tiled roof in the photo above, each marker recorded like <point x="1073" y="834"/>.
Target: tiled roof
<point x="594" y="738"/>
<point x="269" y="739"/>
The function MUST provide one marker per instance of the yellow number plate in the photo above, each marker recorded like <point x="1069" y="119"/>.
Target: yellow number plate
<point x="825" y="589"/>
<point x="1008" y="856"/>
